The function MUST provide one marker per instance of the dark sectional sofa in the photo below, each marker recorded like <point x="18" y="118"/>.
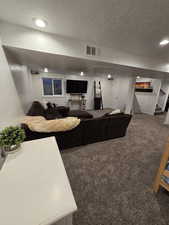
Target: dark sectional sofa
<point x="88" y="131"/>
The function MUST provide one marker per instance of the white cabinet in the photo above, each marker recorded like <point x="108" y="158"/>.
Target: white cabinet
<point x="34" y="187"/>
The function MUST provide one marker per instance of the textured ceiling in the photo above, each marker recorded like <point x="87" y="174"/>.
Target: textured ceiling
<point x="134" y="26"/>
<point x="70" y="65"/>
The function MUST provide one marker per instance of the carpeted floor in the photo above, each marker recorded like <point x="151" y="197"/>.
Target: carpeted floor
<point x="112" y="180"/>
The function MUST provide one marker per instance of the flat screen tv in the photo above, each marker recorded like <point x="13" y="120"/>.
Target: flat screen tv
<point x="76" y="86"/>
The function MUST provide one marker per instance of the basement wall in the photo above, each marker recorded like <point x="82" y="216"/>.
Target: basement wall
<point x="163" y="95"/>
<point x="63" y="100"/>
<point x="146" y="102"/>
<point x="23" y="83"/>
<point x="10" y="111"/>
<point x="29" y="87"/>
<point x="115" y="93"/>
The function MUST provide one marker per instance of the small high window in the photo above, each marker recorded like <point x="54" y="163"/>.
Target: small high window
<point x="52" y="87"/>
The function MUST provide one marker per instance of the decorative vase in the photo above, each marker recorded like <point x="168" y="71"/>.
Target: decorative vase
<point x="3" y="153"/>
<point x="10" y="149"/>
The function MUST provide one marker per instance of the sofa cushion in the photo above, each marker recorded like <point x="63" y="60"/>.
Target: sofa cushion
<point x="51" y="112"/>
<point x="63" y="110"/>
<point x="80" y="114"/>
<point x="36" y="109"/>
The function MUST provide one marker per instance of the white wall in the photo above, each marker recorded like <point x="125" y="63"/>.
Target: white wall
<point x="10" y="110"/>
<point x="106" y="89"/>
<point x="117" y="93"/>
<point x="21" y="37"/>
<point x="163" y="96"/>
<point x="23" y="82"/>
<point x="146" y="102"/>
<point x="122" y="84"/>
<point x="136" y="107"/>
<point x="130" y="97"/>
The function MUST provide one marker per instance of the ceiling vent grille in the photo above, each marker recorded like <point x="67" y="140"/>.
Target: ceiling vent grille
<point x="91" y="50"/>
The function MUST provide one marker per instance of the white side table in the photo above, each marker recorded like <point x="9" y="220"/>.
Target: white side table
<point x="34" y="187"/>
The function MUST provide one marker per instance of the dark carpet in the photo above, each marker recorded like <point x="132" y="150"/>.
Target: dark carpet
<point x="112" y="180"/>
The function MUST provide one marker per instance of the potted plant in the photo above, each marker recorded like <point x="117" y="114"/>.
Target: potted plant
<point x="11" y="138"/>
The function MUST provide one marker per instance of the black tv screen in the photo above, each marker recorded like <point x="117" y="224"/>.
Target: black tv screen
<point x="76" y="86"/>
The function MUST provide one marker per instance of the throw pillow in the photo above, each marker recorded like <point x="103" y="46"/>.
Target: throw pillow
<point x="113" y="112"/>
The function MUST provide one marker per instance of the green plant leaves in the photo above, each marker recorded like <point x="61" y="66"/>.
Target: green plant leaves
<point x="11" y="136"/>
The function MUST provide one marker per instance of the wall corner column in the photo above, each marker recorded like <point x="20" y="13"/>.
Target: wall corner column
<point x="130" y="97"/>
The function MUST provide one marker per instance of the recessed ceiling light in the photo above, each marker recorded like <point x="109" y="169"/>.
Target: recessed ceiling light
<point x="46" y="70"/>
<point x="164" y="42"/>
<point x="109" y="76"/>
<point x="138" y="77"/>
<point x="40" y="23"/>
<point x="81" y="73"/>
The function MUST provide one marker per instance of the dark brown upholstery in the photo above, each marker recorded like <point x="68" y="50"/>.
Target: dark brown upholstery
<point x="51" y="112"/>
<point x="64" y="140"/>
<point x="104" y="128"/>
<point x="88" y="131"/>
<point x="63" y="110"/>
<point x="80" y="114"/>
<point x="36" y="109"/>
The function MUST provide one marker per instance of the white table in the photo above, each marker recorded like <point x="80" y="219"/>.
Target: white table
<point x="34" y="187"/>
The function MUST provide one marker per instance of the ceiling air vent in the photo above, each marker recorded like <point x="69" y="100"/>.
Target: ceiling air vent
<point x="91" y="50"/>
<point x="34" y="72"/>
